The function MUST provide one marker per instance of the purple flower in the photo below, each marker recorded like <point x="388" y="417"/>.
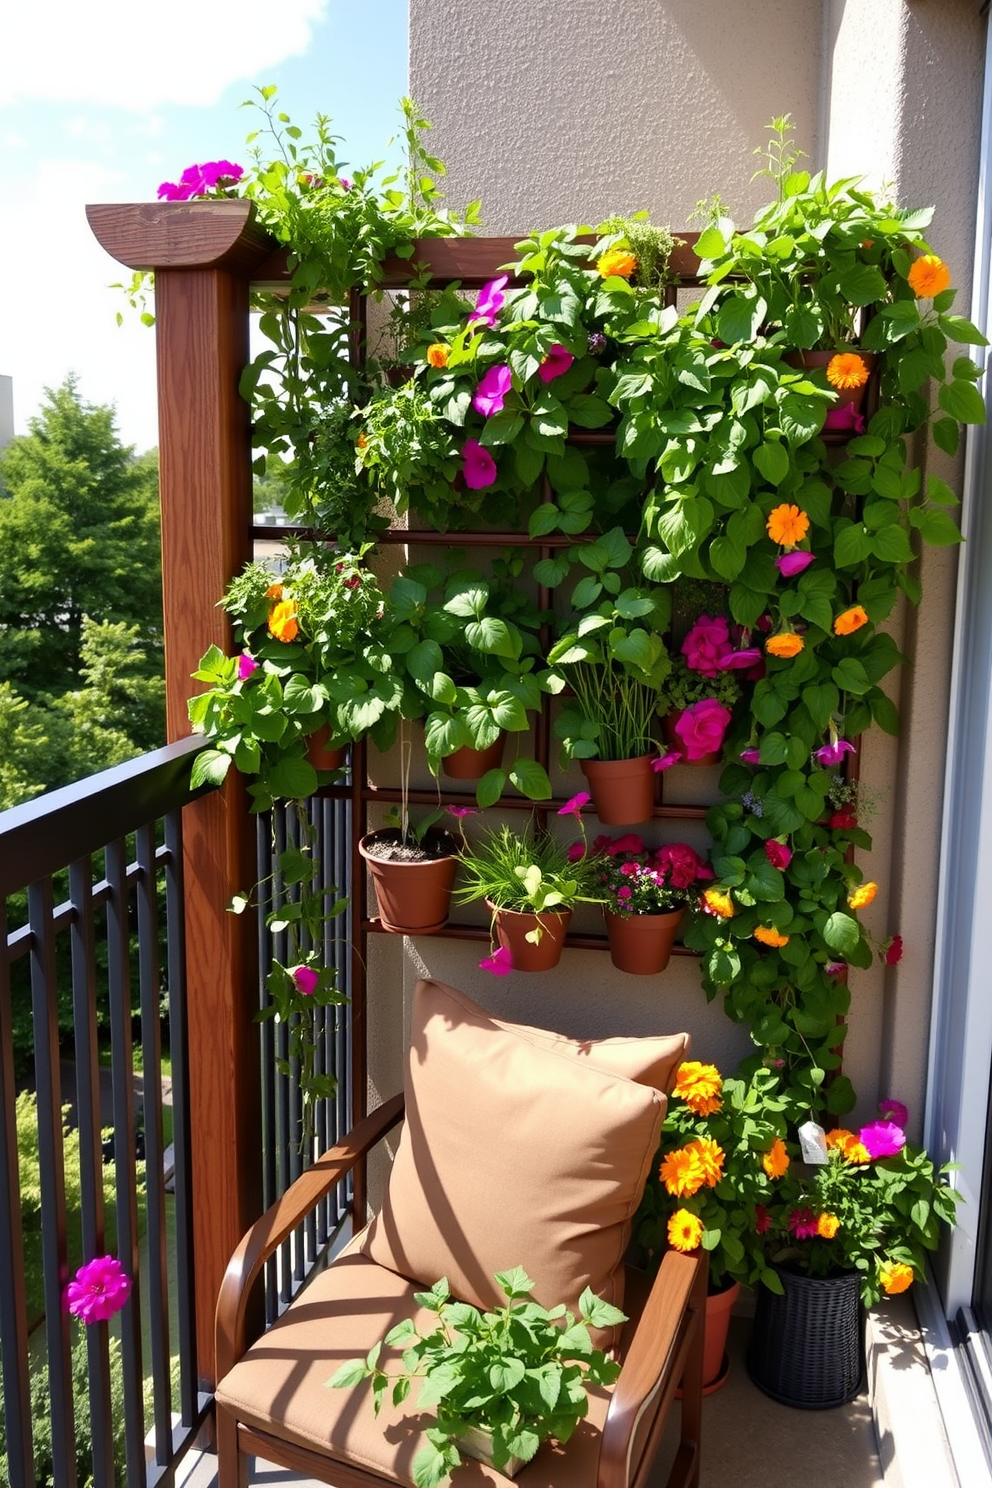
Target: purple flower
<point x="882" y="1139"/>
<point x="844" y="418"/>
<point x="460" y="811"/>
<point x="479" y="469"/>
<point x="895" y="1111"/>
<point x="492" y="390"/>
<point x="574" y="806"/>
<point x="666" y="761"/>
<point x="500" y="963"/>
<point x="831" y="754"/>
<point x="344" y="183"/>
<point x="556" y="363"/>
<point x="306" y="979"/>
<point x="737" y="661"/>
<point x="200" y="180"/>
<point x="490" y="302"/>
<point x="791" y="564"/>
<point x="246" y="665"/>
<point x="751" y="756"/>
<point x="596" y="343"/>
<point x="98" y="1290"/>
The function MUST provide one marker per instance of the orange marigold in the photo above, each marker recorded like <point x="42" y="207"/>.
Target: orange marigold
<point x="617" y="263"/>
<point x="786" y="644"/>
<point x="685" y="1230"/>
<point x="776" y="1160"/>
<point x="361" y="442"/>
<point x="851" y="620"/>
<point x="929" y="276"/>
<point x="282" y="621"/>
<point x="274" y="591"/>
<point x="839" y="1138"/>
<point x="437" y="354"/>
<point x="863" y="895"/>
<point x="787" y="525"/>
<point x="710" y="1156"/>
<point x="769" y="936"/>
<point x="719" y="902"/>
<point x="895" y="1276"/>
<point x="848" y="1145"/>
<point x="847" y="370"/>
<point x="827" y="1226"/>
<point x="699" y="1085"/>
<point x="682" y="1172"/>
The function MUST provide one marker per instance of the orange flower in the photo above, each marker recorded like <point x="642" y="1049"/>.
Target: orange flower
<point x="847" y="370"/>
<point x="776" y="1160"/>
<point x="361" y="442"/>
<point x="929" y="276"/>
<point x="847" y="1144"/>
<point x="710" y="1158"/>
<point x="274" y="591"/>
<point x="787" y="525"/>
<point x="786" y="644"/>
<point x="827" y="1226"/>
<point x="682" y="1172"/>
<point x="616" y="263"/>
<point x="839" y="1138"/>
<point x="863" y="895"/>
<point x="851" y="620"/>
<point x="685" y="1230"/>
<point x="769" y="936"/>
<point x="719" y="902"/>
<point x="699" y="1085"/>
<point x="282" y="621"/>
<point x="437" y="354"/>
<point x="895" y="1276"/>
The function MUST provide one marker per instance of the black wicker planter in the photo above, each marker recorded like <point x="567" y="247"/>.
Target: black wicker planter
<point x="807" y="1346"/>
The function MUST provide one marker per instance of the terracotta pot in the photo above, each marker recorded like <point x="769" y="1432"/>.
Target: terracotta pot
<point x="642" y="943"/>
<point x="413" y="897"/>
<point x="472" y="764"/>
<point x="320" y="756"/>
<point x="818" y="361"/>
<point x="622" y="790"/>
<point x="674" y="742"/>
<point x="716" y="1365"/>
<point x="512" y="928"/>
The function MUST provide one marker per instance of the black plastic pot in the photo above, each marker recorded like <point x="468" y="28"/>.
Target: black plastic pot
<point x="807" y="1346"/>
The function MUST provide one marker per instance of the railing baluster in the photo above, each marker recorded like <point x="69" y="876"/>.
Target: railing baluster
<point x="270" y="1190"/>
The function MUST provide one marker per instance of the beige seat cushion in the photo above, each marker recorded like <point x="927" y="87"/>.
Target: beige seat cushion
<point x="512" y="1153"/>
<point x="278" y="1386"/>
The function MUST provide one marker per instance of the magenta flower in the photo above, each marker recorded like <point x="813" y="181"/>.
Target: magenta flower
<point x="802" y="1223"/>
<point x="666" y="761"/>
<point x="630" y="842"/>
<point x="344" y="183"/>
<point x="200" y="180"/>
<point x="460" y="811"/>
<point x="556" y="363"/>
<point x="680" y="865"/>
<point x="479" y="469"/>
<point x="246" y="665"/>
<point x="835" y="968"/>
<point x="625" y="892"/>
<point x="882" y="1139"/>
<point x="492" y="390"/>
<point x="490" y="302"/>
<point x="738" y="661"/>
<point x="701" y="727"/>
<point x="707" y="642"/>
<point x="791" y="564"/>
<point x="576" y="852"/>
<point x="762" y="1219"/>
<point x="751" y="756"/>
<point x="500" y="963"/>
<point x="98" y="1290"/>
<point x="306" y="979"/>
<point x="831" y="754"/>
<point x="895" y="1111"/>
<point x="844" y="419"/>
<point x="573" y="807"/>
<point x="779" y="854"/>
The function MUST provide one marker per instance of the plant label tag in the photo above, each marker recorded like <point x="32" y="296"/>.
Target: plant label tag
<point x="813" y="1141"/>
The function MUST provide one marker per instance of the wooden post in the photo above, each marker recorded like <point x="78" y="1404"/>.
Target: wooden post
<point x="203" y="254"/>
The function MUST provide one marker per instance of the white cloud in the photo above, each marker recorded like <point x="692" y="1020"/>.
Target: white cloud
<point x="99" y="54"/>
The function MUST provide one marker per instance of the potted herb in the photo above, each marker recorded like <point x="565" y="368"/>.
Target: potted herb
<point x="499" y="1383"/>
<point x="647" y="892"/>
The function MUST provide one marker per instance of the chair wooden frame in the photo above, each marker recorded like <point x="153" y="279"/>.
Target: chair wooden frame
<point x="665" y="1348"/>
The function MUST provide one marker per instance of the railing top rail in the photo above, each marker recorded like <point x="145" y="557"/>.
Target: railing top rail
<point x="50" y="832"/>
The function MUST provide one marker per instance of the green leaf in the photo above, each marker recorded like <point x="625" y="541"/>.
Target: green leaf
<point x="946" y="435"/>
<point x="599" y="1313"/>
<point x="773" y="462"/>
<point x="531" y="780"/>
<point x="505" y="1374"/>
<point x="490" y="788"/>
<point x="352" y="1372"/>
<point x="293" y="778"/>
<point x="841" y="933"/>
<point x="209" y="768"/>
<point x="514" y="1283"/>
<point x="891" y="544"/>
<point x="852" y="546"/>
<point x="739" y="318"/>
<point x="936" y="527"/>
<point x="957" y="329"/>
<point x="850" y="676"/>
<point x="863" y="284"/>
<point x="962" y="401"/>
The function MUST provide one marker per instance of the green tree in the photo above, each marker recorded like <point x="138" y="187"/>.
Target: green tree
<point x="24" y="749"/>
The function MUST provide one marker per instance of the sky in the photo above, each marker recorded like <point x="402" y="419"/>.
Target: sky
<point x="100" y="102"/>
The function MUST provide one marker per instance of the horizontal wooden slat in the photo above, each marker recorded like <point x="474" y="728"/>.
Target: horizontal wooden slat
<point x="182" y="235"/>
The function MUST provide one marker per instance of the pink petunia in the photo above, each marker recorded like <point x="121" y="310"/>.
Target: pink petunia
<point x="573" y="806"/>
<point x="791" y="564"/>
<point x="882" y="1139"/>
<point x="556" y="363"/>
<point x="751" y="756"/>
<point x="306" y="979"/>
<point x="739" y="661"/>
<point x="246" y="665"/>
<point x="492" y="390"/>
<point x="460" y="811"/>
<point x="802" y="1223"/>
<point x="706" y="643"/>
<point x="895" y="1111"/>
<point x="666" y="761"/>
<point x="844" y="419"/>
<point x="200" y="180"/>
<point x="779" y="854"/>
<point x="831" y="754"/>
<point x="500" y="963"/>
<point x="835" y="968"/>
<point x="701" y="727"/>
<point x="479" y="468"/>
<point x="625" y="892"/>
<point x="99" y="1289"/>
<point x="490" y="302"/>
<point x="629" y="842"/>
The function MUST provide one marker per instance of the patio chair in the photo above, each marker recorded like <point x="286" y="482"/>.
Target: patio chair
<point x="519" y="1147"/>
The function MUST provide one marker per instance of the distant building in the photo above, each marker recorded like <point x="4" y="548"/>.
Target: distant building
<point x="6" y="411"/>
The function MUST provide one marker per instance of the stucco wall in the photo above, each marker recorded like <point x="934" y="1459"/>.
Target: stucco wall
<point x="571" y="109"/>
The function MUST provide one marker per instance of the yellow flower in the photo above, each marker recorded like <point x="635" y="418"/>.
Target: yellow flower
<point x="776" y="1160"/>
<point x="847" y="370"/>
<point x="839" y="1138"/>
<point x="787" y="525"/>
<point x="719" y="902"/>
<point x="851" y="620"/>
<point x="895" y="1276"/>
<point x="699" y="1085"/>
<point x="437" y="354"/>
<point x="282" y="621"/>
<point x="847" y="1144"/>
<point x="361" y="442"/>
<point x="274" y="591"/>
<point x="769" y="936"/>
<point x="685" y="1230"/>
<point x="682" y="1172"/>
<point x="710" y="1158"/>
<point x="863" y="895"/>
<point x="929" y="276"/>
<point x="786" y="644"/>
<point x="616" y="263"/>
<point x="827" y="1226"/>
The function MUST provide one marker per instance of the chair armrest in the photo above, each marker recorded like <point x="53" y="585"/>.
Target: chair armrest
<point x="679" y="1287"/>
<point x="278" y="1221"/>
